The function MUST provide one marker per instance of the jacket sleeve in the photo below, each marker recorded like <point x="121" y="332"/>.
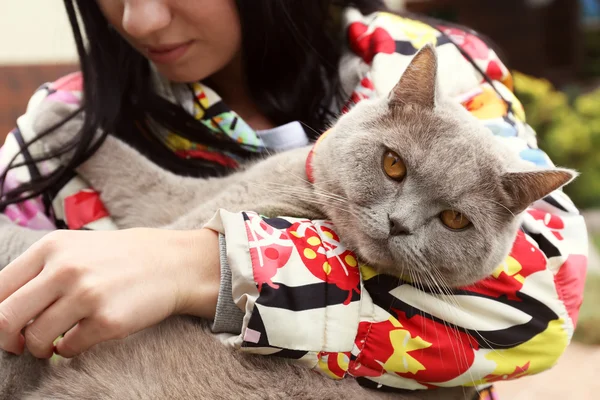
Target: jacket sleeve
<point x="299" y="289"/>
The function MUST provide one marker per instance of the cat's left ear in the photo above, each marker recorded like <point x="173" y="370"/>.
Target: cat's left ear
<point x="524" y="188"/>
<point x="418" y="84"/>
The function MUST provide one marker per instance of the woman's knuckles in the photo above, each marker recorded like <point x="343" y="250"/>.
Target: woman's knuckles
<point x="7" y="322"/>
<point x="89" y="294"/>
<point x="54" y="241"/>
<point x="109" y="326"/>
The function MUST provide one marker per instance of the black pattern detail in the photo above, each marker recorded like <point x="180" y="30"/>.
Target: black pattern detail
<point x="540" y="314"/>
<point x="234" y="123"/>
<point x="33" y="170"/>
<point x="552" y="201"/>
<point x="508" y="120"/>
<point x="278" y="223"/>
<point x="406" y="48"/>
<point x="287" y="353"/>
<point x="306" y="297"/>
<point x="369" y="384"/>
<point x="215" y="110"/>
<point x="543" y="243"/>
<point x="256" y="323"/>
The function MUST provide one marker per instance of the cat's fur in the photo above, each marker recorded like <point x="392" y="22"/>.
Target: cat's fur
<point x="453" y="162"/>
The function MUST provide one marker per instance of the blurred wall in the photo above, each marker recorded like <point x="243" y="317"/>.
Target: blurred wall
<point x="35" y="47"/>
<point x="35" y="32"/>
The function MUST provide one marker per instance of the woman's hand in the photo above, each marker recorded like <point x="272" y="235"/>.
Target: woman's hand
<point x="98" y="286"/>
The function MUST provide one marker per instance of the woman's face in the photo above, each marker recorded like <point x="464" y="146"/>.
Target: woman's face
<point x="187" y="40"/>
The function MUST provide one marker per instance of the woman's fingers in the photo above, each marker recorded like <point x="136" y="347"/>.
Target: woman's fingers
<point x="20" y="308"/>
<point x="12" y="342"/>
<point x="23" y="269"/>
<point x="53" y="322"/>
<point x="87" y="333"/>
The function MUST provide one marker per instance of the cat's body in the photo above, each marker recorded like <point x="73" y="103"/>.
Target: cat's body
<point x="181" y="359"/>
<point x="398" y="217"/>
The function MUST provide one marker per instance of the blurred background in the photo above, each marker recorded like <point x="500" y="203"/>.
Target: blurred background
<point x="553" y="48"/>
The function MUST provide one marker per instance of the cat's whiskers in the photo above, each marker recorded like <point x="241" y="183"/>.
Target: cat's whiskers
<point x="452" y="331"/>
<point x="503" y="206"/>
<point x="452" y="308"/>
<point x="311" y="128"/>
<point x="441" y="277"/>
<point x="295" y="194"/>
<point x="314" y="190"/>
<point x="417" y="283"/>
<point x="288" y="189"/>
<point x="288" y="170"/>
<point x="308" y="195"/>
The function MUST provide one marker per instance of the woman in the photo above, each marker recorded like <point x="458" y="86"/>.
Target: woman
<point x="270" y="67"/>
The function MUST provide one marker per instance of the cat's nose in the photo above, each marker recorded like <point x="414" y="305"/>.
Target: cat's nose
<point x="397" y="228"/>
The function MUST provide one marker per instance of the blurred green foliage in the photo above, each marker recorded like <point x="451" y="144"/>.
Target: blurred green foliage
<point x="568" y="129"/>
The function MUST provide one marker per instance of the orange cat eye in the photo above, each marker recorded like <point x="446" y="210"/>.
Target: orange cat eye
<point x="393" y="166"/>
<point x="454" y="220"/>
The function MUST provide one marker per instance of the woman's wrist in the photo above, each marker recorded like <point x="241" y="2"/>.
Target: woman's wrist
<point x="199" y="251"/>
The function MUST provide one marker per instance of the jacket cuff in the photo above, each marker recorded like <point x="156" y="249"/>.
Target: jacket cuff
<point x="228" y="318"/>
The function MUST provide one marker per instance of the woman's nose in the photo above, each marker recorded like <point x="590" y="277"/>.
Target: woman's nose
<point x="142" y="18"/>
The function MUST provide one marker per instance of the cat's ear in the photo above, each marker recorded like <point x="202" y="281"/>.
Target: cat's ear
<point x="524" y="188"/>
<point x="418" y="83"/>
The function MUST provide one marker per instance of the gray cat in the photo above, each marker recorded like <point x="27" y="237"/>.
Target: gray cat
<point x="412" y="182"/>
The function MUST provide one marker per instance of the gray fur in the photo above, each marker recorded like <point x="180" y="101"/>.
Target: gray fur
<point x="453" y="163"/>
<point x="15" y="239"/>
<point x="180" y="359"/>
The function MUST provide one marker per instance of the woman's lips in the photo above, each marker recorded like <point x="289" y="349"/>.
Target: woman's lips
<point x="168" y="53"/>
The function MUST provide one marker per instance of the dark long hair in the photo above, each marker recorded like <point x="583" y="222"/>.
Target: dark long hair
<point x="291" y="51"/>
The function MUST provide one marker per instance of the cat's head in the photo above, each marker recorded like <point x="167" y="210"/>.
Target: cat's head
<point x="431" y="192"/>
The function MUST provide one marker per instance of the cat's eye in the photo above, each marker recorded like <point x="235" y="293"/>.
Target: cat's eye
<point x="454" y="220"/>
<point x="393" y="166"/>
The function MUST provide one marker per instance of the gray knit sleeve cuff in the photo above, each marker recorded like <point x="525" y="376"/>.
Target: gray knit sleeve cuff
<point x="228" y="318"/>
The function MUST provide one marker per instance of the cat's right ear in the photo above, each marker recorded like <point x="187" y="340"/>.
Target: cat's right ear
<point x="524" y="188"/>
<point x="418" y="83"/>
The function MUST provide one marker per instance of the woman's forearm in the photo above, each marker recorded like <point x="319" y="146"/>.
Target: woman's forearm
<point x="199" y="254"/>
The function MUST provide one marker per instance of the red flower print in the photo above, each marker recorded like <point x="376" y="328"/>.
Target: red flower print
<point x="367" y="45"/>
<point x="554" y="222"/>
<point x="525" y="259"/>
<point x="325" y="257"/>
<point x="474" y="46"/>
<point x="570" y="281"/>
<point x="83" y="208"/>
<point x="416" y="348"/>
<point x="517" y="373"/>
<point x="494" y="71"/>
<point x="270" y="249"/>
<point x="334" y="365"/>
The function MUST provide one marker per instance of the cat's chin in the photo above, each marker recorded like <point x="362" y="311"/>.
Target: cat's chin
<point x="385" y="263"/>
<point x="380" y="260"/>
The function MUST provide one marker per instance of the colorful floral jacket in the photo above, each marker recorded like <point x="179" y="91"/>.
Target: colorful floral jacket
<point x="307" y="297"/>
